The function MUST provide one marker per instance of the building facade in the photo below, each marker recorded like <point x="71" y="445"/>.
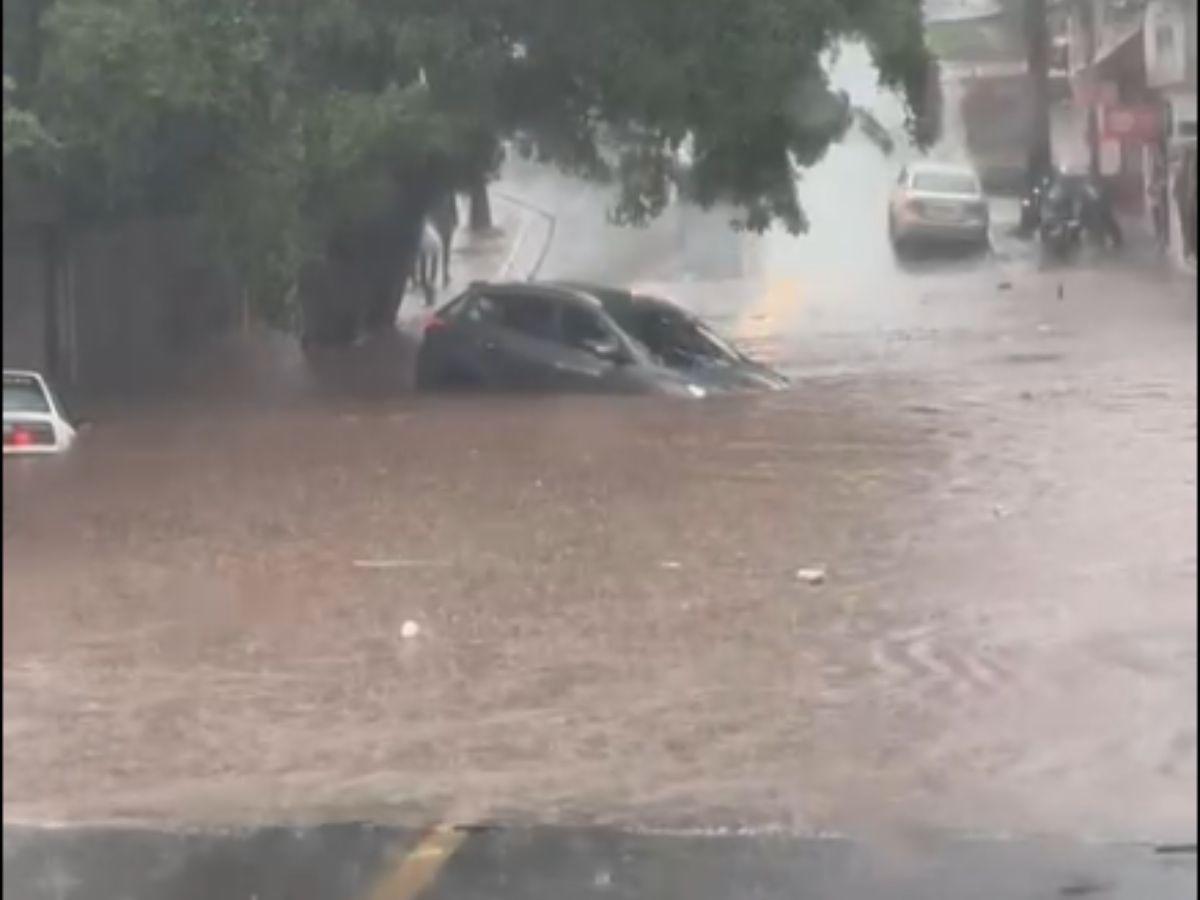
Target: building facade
<point x="1169" y="35"/>
<point x="1132" y="67"/>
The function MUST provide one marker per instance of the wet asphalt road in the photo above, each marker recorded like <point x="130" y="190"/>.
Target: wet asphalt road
<point x="333" y="862"/>
<point x="993" y="461"/>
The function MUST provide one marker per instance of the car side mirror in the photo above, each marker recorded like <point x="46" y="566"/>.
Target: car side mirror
<point x="607" y="349"/>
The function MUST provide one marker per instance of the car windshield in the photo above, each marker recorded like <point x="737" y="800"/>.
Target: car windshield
<point x="24" y="394"/>
<point x="671" y="336"/>
<point x="945" y="183"/>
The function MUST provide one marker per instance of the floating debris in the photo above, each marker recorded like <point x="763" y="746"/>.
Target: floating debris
<point x="396" y="563"/>
<point x="813" y="576"/>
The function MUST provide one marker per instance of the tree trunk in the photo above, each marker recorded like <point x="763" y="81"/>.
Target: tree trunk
<point x="1037" y="40"/>
<point x="1088" y="21"/>
<point x="327" y="319"/>
<point x="930" y="117"/>
<point x="481" y="207"/>
<point x="357" y="289"/>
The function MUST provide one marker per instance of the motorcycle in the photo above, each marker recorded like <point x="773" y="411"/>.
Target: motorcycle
<point x="1079" y="206"/>
<point x="1061" y="232"/>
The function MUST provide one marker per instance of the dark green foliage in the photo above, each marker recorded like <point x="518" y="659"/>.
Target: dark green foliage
<point x="292" y="125"/>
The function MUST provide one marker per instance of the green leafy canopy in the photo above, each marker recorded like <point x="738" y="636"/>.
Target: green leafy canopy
<point x="285" y="120"/>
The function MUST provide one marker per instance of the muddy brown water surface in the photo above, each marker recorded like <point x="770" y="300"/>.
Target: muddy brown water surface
<point x="994" y="465"/>
<point x="203" y="605"/>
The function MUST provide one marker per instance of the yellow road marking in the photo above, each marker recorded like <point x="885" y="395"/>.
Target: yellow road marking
<point x="412" y="872"/>
<point x="781" y="299"/>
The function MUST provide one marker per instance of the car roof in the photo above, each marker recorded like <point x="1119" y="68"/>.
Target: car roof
<point x="597" y="296"/>
<point x="623" y="300"/>
<point x="585" y="292"/>
<point x="557" y="289"/>
<point x="594" y="292"/>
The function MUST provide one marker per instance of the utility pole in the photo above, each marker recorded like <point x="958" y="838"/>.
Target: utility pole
<point x="1087" y="14"/>
<point x="1037" y="48"/>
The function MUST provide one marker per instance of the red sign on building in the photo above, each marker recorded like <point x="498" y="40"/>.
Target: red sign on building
<point x="1088" y="91"/>
<point x="1132" y="123"/>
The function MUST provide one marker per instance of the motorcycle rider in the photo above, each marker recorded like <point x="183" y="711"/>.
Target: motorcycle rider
<point x="1099" y="215"/>
<point x="1072" y="194"/>
<point x="1061" y="196"/>
<point x="1033" y="202"/>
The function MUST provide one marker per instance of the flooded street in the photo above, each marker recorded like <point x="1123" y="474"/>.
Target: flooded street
<point x="204" y="608"/>
<point x="991" y="463"/>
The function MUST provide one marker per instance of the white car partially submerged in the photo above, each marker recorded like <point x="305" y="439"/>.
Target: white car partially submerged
<point x="34" y="419"/>
<point x="938" y="203"/>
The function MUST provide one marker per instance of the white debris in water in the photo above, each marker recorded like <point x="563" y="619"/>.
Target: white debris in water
<point x="814" y="575"/>
<point x="409" y="629"/>
<point x="397" y="563"/>
<point x="671" y="564"/>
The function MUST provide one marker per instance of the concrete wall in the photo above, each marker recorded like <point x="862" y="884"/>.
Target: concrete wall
<point x="128" y="302"/>
<point x="25" y="289"/>
<point x="139" y="295"/>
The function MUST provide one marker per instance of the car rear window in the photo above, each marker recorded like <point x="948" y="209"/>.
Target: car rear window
<point x="945" y="183"/>
<point x="531" y="316"/>
<point x="480" y="309"/>
<point x="24" y="394"/>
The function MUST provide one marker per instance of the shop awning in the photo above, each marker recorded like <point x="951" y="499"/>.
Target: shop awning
<point x="1120" y="45"/>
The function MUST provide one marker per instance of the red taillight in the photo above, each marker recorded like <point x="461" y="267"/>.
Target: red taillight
<point x="434" y="324"/>
<point x="27" y="435"/>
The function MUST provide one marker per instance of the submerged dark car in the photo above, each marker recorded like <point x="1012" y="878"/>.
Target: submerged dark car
<point x="567" y="336"/>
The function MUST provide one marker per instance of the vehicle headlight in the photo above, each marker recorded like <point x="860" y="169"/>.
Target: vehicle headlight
<point x="696" y="391"/>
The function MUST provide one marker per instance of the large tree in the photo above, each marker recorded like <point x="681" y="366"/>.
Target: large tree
<point x="314" y="132"/>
